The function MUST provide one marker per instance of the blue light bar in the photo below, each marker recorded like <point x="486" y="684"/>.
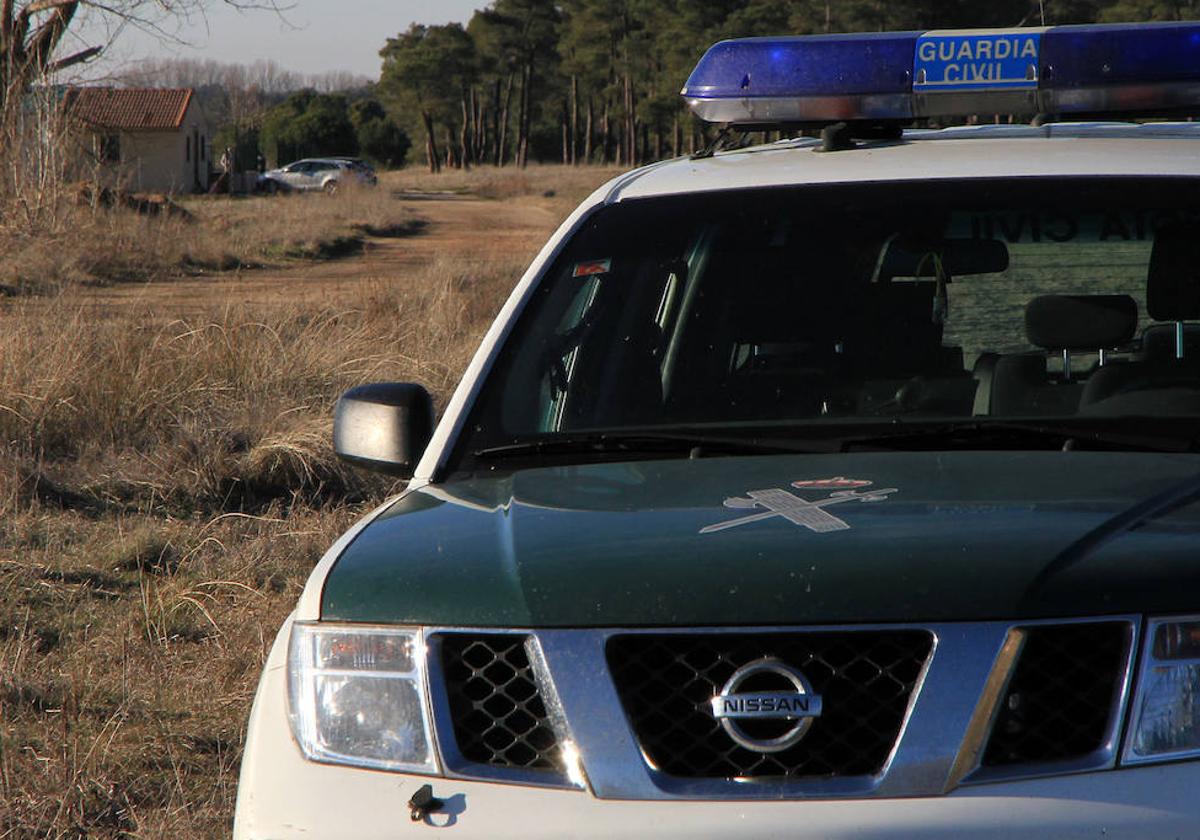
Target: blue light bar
<point x="896" y="76"/>
<point x="773" y="80"/>
<point x="1109" y="69"/>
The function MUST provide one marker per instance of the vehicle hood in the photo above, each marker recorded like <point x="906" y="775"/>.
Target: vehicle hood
<point x="963" y="536"/>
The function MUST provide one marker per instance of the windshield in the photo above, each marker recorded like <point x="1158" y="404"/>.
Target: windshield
<point x="821" y="312"/>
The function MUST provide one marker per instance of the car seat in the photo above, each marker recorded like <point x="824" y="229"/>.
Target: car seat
<point x="1165" y="377"/>
<point x="1022" y="385"/>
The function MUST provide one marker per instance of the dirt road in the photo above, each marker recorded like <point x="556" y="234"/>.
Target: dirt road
<point x="465" y="228"/>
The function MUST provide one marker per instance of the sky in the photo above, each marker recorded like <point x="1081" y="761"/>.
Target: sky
<point x="309" y="36"/>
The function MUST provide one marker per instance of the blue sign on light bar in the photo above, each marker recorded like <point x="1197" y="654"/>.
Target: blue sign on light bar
<point x="896" y="76"/>
<point x="977" y="61"/>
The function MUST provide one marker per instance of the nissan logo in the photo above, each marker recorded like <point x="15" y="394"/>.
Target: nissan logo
<point x="799" y="704"/>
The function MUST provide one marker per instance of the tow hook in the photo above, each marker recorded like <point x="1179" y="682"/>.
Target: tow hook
<point x="424" y="803"/>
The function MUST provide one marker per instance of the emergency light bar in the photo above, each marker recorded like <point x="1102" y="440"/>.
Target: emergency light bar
<point x="898" y="76"/>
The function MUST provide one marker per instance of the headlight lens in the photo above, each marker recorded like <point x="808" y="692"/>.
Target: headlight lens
<point x="1166" y="711"/>
<point x="356" y="696"/>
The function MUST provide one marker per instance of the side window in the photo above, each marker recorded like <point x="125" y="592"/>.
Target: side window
<point x="187" y="149"/>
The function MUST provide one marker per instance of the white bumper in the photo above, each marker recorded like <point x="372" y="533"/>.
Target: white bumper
<point x="281" y="795"/>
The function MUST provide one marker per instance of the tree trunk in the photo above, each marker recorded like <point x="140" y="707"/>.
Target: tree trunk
<point x="481" y="126"/>
<point x="565" y="120"/>
<point x="452" y="161"/>
<point x="431" y="149"/>
<point x="493" y="140"/>
<point x="630" y="124"/>
<point x="606" y="136"/>
<point x="587" y="134"/>
<point x="526" y="106"/>
<point x="574" y="120"/>
<point x="502" y="133"/>
<point x="676" y="137"/>
<point x="26" y="57"/>
<point x="464" y="149"/>
<point x="521" y="105"/>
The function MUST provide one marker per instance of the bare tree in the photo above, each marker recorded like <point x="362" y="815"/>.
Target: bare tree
<point x="32" y="32"/>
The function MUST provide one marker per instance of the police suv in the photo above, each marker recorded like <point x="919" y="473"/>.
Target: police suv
<point x="834" y="487"/>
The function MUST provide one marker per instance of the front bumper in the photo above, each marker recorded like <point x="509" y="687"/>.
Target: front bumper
<point x="281" y="795"/>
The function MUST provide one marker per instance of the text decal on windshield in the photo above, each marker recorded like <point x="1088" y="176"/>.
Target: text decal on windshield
<point x="798" y="510"/>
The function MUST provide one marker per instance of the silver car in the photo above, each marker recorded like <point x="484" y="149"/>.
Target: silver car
<point x="311" y="174"/>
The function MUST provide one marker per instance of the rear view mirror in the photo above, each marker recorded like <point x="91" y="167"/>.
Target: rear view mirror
<point x="385" y="426"/>
<point x="909" y="258"/>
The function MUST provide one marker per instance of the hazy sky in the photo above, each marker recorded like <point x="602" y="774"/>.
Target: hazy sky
<point x="312" y="36"/>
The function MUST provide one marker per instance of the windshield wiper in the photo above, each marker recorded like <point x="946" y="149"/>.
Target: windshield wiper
<point x="1007" y="434"/>
<point x="642" y="443"/>
<point x="1001" y="435"/>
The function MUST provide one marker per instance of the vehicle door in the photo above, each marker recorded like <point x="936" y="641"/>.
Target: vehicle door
<point x="323" y="172"/>
<point x="291" y="175"/>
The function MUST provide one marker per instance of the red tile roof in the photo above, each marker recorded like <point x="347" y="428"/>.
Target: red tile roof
<point x="130" y="109"/>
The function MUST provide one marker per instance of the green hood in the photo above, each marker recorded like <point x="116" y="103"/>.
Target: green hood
<point x="965" y="535"/>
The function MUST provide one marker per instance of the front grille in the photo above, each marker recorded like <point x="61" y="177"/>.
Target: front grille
<point x="1062" y="695"/>
<point x="865" y="678"/>
<point x="495" y="704"/>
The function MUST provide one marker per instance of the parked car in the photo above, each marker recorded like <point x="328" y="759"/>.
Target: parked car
<point x="311" y="174"/>
<point x="834" y="487"/>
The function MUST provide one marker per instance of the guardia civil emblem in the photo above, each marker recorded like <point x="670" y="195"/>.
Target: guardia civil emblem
<point x="799" y="509"/>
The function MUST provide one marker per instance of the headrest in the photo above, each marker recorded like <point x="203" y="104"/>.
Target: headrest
<point x="1158" y="342"/>
<point x="1173" y="283"/>
<point x="1080" y="322"/>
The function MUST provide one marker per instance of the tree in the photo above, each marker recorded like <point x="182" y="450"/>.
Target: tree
<point x="428" y="70"/>
<point x="31" y="32"/>
<point x="379" y="138"/>
<point x="309" y="124"/>
<point x="599" y="80"/>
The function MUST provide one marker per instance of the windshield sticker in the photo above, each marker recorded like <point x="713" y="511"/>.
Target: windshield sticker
<point x="1058" y="225"/>
<point x="810" y="514"/>
<point x="592" y="267"/>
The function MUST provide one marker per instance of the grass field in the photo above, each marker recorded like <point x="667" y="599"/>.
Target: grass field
<point x="166" y="480"/>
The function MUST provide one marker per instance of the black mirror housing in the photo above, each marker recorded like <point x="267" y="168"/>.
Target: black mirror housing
<point x="383" y="426"/>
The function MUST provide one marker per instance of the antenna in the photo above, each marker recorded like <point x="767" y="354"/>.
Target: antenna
<point x="1042" y="9"/>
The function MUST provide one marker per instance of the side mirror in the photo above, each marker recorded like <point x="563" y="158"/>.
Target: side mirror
<point x="385" y="426"/>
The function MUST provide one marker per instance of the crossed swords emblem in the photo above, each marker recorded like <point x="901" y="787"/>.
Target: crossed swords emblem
<point x="800" y="511"/>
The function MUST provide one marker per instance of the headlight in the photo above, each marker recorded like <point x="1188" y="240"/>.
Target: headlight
<point x="356" y="696"/>
<point x="1166" y="710"/>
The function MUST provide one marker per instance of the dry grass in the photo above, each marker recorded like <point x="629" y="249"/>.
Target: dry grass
<point x="229" y="409"/>
<point x="165" y="493"/>
<point x="82" y="243"/>
<point x="567" y="185"/>
<point x="167" y="484"/>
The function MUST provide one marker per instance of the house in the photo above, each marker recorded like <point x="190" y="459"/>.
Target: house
<point x="143" y="139"/>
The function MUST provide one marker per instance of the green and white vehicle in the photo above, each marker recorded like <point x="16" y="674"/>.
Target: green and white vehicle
<point x="838" y="487"/>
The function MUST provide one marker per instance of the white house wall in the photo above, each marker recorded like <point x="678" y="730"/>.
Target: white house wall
<point x="162" y="161"/>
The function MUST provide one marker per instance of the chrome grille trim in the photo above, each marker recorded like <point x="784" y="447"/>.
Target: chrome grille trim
<point x="454" y="764"/>
<point x="1103" y="758"/>
<point x="932" y="754"/>
<point x="865" y="678"/>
